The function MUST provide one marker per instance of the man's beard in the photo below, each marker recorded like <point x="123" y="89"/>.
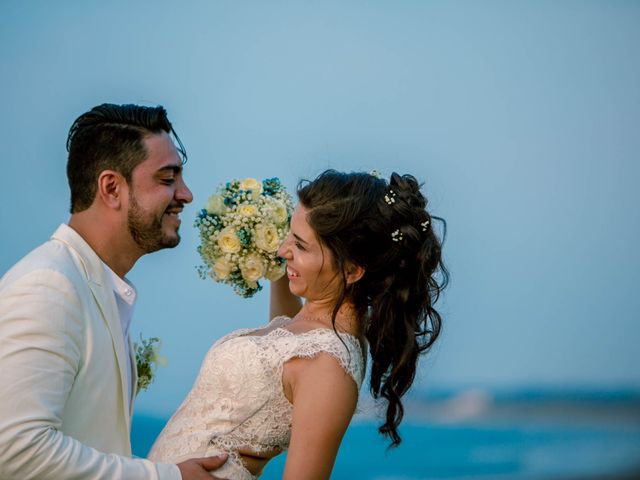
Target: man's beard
<point x="146" y="229"/>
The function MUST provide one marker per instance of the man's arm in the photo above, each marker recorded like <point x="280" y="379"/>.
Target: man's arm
<point x="41" y="335"/>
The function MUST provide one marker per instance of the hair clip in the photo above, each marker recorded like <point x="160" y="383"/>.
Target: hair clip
<point x="396" y="235"/>
<point x="375" y="173"/>
<point x="390" y="198"/>
<point x="425" y="225"/>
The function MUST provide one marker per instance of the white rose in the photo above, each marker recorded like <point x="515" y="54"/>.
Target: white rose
<point x="228" y="240"/>
<point x="222" y="268"/>
<point x="275" y="272"/>
<point x="247" y="210"/>
<point x="252" y="267"/>
<point x="215" y="205"/>
<point x="266" y="237"/>
<point x="278" y="211"/>
<point x="251" y="184"/>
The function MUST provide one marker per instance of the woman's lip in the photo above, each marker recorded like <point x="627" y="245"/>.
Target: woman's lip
<point x="291" y="273"/>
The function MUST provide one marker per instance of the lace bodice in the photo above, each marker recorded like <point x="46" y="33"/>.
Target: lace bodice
<point x="237" y="401"/>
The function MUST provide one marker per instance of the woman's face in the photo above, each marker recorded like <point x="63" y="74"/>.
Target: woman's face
<point x="310" y="267"/>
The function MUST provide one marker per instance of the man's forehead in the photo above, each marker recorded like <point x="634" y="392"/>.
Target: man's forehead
<point x="162" y="153"/>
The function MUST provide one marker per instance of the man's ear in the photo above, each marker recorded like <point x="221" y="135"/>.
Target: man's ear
<point x="353" y="272"/>
<point x="111" y="188"/>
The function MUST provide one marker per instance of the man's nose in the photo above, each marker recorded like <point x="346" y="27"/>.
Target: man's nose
<point x="183" y="193"/>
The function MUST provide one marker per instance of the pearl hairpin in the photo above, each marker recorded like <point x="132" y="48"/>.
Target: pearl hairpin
<point x="396" y="235"/>
<point x="390" y="198"/>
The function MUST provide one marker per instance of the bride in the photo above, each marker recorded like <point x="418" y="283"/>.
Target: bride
<point x="364" y="256"/>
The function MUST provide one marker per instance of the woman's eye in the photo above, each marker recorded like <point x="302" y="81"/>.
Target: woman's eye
<point x="299" y="246"/>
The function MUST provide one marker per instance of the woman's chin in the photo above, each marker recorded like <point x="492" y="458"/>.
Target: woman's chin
<point x="295" y="289"/>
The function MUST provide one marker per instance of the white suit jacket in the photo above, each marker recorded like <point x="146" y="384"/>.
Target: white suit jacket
<point x="64" y="412"/>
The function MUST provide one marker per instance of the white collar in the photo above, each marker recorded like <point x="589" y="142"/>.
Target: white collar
<point x="123" y="287"/>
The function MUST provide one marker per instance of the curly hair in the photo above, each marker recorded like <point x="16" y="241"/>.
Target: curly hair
<point x="384" y="227"/>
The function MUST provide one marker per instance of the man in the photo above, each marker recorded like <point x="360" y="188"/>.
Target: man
<point x="67" y="366"/>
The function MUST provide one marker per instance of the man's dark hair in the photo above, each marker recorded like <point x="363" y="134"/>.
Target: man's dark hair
<point x="110" y="137"/>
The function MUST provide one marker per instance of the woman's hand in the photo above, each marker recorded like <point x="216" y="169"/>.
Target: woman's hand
<point x="282" y="301"/>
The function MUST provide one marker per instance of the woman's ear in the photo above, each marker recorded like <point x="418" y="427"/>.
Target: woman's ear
<point x="353" y="272"/>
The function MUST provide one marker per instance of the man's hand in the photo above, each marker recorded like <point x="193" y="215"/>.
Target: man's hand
<point x="199" y="468"/>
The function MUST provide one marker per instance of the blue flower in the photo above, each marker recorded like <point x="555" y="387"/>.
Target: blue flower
<point x="245" y="236"/>
<point x="271" y="186"/>
<point x="230" y="200"/>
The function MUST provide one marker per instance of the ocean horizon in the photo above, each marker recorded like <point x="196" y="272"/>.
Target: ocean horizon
<point x="527" y="434"/>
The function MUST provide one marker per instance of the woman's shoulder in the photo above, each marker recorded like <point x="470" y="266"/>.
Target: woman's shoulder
<point x="346" y="349"/>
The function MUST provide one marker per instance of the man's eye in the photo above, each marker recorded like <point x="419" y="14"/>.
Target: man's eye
<point x="168" y="180"/>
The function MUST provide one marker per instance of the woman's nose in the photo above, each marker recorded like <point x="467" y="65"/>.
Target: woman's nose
<point x="284" y="251"/>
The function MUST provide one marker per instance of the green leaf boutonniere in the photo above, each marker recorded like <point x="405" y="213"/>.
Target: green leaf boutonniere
<point x="147" y="358"/>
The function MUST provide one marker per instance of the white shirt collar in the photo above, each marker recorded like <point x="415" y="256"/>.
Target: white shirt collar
<point x="123" y="287"/>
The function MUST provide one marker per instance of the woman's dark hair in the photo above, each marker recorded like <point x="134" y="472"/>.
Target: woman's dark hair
<point x="385" y="228"/>
<point x="110" y="137"/>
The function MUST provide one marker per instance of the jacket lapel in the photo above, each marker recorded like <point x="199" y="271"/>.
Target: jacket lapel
<point x="134" y="375"/>
<point x="101" y="287"/>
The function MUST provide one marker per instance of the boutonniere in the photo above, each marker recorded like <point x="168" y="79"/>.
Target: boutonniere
<point x="147" y="359"/>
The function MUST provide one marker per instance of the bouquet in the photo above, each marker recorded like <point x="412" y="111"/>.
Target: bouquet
<point x="241" y="228"/>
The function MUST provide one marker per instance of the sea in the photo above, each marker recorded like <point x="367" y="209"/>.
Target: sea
<point x="477" y="434"/>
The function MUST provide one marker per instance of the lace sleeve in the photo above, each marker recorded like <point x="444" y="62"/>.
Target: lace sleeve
<point x="348" y="354"/>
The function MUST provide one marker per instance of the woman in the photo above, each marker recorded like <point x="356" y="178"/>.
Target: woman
<point x="363" y="254"/>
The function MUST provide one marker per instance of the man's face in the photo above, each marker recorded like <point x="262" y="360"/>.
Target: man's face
<point x="157" y="196"/>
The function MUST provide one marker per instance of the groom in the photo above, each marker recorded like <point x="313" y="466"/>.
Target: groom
<point x="67" y="367"/>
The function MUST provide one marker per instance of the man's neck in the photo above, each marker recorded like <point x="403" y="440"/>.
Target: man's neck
<point x="111" y="242"/>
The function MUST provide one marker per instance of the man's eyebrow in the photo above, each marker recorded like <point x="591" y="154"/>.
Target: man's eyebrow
<point x="300" y="239"/>
<point x="170" y="168"/>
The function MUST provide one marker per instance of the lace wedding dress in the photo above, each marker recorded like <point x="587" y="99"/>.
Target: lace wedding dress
<point x="237" y="401"/>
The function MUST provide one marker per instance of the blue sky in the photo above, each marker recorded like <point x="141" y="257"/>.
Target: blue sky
<point x="522" y="118"/>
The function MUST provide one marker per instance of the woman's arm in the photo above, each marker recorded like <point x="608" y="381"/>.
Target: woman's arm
<point x="282" y="301"/>
<point x="324" y="398"/>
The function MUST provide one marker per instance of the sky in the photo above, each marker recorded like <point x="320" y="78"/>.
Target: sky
<point x="521" y="118"/>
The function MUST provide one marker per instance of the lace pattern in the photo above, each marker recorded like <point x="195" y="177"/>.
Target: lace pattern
<point x="237" y="401"/>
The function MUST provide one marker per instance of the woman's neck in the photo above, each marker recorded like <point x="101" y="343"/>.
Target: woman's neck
<point x="321" y="316"/>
